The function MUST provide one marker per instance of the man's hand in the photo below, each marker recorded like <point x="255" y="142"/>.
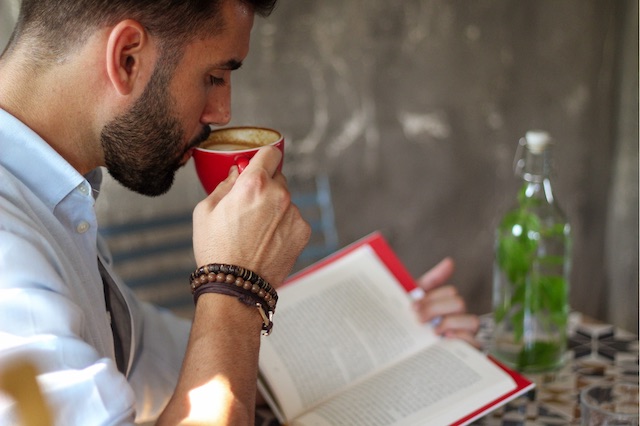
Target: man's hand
<point x="443" y="306"/>
<point x="249" y="221"/>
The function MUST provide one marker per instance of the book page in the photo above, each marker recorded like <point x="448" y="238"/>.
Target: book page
<point x="336" y="326"/>
<point x="436" y="387"/>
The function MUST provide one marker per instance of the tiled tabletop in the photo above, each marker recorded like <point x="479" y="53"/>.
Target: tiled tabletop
<point x="596" y="352"/>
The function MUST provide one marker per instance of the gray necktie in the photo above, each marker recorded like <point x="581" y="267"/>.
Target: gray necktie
<point x="120" y="319"/>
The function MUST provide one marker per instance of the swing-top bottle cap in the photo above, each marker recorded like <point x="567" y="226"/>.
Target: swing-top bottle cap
<point x="537" y="140"/>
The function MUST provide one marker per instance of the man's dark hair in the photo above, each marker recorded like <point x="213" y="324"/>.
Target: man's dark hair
<point x="54" y="27"/>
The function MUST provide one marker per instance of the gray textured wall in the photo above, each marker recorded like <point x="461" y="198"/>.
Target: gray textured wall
<point x="414" y="108"/>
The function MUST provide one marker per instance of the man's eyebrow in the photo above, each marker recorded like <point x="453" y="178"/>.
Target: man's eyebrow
<point x="231" y="64"/>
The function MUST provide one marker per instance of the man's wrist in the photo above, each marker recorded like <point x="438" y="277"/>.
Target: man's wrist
<point x="231" y="280"/>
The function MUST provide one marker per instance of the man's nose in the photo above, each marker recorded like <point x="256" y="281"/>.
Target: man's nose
<point x="217" y="111"/>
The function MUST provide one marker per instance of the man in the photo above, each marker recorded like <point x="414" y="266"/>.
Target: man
<point x="134" y="85"/>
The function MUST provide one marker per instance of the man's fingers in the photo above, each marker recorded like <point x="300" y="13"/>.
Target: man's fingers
<point x="268" y="158"/>
<point x="438" y="275"/>
<point x="439" y="302"/>
<point x="463" y="335"/>
<point x="467" y="323"/>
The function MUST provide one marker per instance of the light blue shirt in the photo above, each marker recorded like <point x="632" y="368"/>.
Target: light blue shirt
<point x="52" y="307"/>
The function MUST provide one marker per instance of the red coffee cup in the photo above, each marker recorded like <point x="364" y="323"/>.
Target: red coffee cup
<point x="228" y="147"/>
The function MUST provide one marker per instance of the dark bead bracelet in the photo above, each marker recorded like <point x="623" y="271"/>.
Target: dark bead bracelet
<point x="242" y="283"/>
<point x="245" y="296"/>
<point x="211" y="272"/>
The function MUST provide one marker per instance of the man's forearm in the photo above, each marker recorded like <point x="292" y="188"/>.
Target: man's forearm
<point x="217" y="384"/>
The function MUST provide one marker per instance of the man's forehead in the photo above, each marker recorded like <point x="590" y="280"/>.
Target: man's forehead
<point x="226" y="46"/>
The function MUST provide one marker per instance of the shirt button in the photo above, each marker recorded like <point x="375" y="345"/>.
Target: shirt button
<point x="82" y="227"/>
<point x="84" y="190"/>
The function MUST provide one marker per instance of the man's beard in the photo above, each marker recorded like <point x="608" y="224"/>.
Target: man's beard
<point x="144" y="147"/>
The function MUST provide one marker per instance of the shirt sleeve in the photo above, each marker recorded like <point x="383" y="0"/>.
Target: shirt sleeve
<point x="161" y="339"/>
<point x="161" y="344"/>
<point x="52" y="313"/>
<point x="42" y="322"/>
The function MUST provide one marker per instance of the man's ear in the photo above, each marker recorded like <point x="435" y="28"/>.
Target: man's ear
<point x="128" y="51"/>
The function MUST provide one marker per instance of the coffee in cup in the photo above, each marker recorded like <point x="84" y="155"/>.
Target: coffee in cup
<point x="231" y="146"/>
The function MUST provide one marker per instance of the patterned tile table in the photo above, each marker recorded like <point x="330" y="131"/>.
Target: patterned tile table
<point x="596" y="352"/>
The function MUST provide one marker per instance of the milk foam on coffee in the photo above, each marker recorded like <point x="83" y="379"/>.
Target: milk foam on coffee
<point x="230" y="146"/>
<point x="237" y="140"/>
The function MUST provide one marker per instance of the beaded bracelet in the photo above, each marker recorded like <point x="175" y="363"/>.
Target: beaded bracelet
<point x="231" y="280"/>
<point x="241" y="277"/>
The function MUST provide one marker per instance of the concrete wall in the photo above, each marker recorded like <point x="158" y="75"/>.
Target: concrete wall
<point x="8" y="16"/>
<point x="622" y="216"/>
<point x="414" y="108"/>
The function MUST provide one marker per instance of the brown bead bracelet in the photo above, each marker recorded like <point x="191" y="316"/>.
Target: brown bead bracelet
<point x="241" y="277"/>
<point x="231" y="280"/>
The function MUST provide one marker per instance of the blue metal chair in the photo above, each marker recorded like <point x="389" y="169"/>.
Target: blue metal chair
<point x="154" y="256"/>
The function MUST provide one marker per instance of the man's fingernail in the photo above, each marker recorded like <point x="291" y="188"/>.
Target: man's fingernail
<point x="416" y="293"/>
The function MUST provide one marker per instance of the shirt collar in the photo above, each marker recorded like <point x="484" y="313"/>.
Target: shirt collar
<point x="34" y="162"/>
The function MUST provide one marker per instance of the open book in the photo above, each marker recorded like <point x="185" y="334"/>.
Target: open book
<point x="346" y="349"/>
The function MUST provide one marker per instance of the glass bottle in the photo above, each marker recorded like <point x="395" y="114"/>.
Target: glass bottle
<point x="531" y="268"/>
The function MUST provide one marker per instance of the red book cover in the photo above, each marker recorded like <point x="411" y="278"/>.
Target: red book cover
<point x="386" y="254"/>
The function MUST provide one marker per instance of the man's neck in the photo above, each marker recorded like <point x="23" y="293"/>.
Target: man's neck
<point x="50" y="101"/>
